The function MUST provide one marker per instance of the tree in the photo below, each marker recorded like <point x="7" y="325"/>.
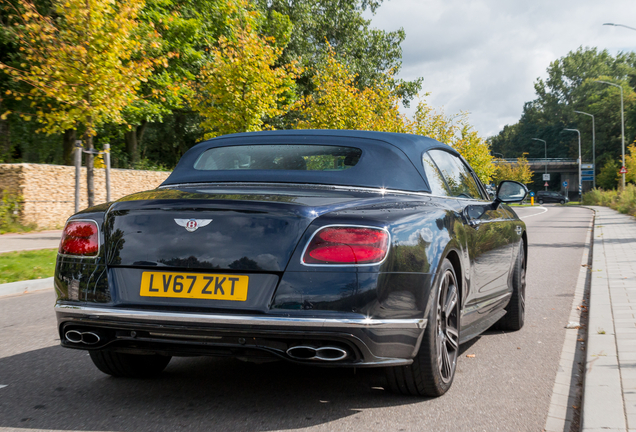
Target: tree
<point x="608" y="177"/>
<point x="570" y="85"/>
<point x="519" y="171"/>
<point x="457" y="133"/>
<point x="337" y="103"/>
<point x="630" y="163"/>
<point x="340" y="26"/>
<point x="84" y="64"/>
<point x="240" y="86"/>
<point x="188" y="28"/>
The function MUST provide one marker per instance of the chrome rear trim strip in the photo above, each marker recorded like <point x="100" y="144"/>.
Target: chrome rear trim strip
<point x="246" y="320"/>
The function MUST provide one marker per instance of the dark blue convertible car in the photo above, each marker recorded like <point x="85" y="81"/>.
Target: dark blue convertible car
<point x="334" y="248"/>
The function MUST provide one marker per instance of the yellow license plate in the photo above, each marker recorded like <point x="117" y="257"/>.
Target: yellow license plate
<point x="194" y="285"/>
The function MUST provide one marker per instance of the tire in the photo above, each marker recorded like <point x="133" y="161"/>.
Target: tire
<point x="433" y="368"/>
<point x="129" y="365"/>
<point x="516" y="309"/>
<point x="540" y="201"/>
<point x="562" y="202"/>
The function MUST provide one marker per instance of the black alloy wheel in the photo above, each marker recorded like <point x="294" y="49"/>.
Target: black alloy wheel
<point x="447" y="327"/>
<point x="516" y="309"/>
<point x="433" y="369"/>
<point x="540" y="201"/>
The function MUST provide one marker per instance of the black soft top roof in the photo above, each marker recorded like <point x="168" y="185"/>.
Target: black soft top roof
<point x="389" y="160"/>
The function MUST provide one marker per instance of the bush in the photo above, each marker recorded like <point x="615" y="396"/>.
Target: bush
<point x="624" y="202"/>
<point x="10" y="213"/>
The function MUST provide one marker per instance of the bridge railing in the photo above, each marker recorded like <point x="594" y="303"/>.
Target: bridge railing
<point x="538" y="160"/>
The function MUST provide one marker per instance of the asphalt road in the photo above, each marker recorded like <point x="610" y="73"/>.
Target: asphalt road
<point x="506" y="386"/>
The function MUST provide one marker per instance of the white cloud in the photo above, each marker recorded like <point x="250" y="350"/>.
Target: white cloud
<point x="483" y="56"/>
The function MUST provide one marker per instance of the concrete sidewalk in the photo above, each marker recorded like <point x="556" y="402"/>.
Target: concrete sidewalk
<point x="30" y="241"/>
<point x="610" y="380"/>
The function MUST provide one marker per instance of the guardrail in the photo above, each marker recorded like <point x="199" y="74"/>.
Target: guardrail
<point x="539" y="160"/>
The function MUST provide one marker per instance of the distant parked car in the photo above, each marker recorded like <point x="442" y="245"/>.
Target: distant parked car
<point x="551" y="197"/>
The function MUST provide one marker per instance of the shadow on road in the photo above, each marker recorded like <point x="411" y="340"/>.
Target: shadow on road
<point x="64" y="391"/>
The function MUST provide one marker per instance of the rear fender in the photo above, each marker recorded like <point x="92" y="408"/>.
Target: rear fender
<point x="84" y="279"/>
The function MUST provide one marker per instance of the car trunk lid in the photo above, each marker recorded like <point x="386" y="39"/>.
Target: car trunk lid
<point x="233" y="229"/>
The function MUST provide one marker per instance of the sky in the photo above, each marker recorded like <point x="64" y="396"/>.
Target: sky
<point x="483" y="56"/>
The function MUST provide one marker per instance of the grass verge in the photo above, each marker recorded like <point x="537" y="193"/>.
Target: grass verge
<point x="27" y="265"/>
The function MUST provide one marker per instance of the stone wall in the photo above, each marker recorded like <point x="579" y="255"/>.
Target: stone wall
<point x="48" y="191"/>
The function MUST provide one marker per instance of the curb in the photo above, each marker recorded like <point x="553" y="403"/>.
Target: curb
<point x="24" y="287"/>
<point x="564" y="393"/>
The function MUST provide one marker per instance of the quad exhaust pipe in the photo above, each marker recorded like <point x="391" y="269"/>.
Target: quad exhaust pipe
<point x="83" y="337"/>
<point x="325" y="353"/>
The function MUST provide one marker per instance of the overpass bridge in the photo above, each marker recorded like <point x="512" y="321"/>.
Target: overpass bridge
<point x="560" y="170"/>
<point x="539" y="165"/>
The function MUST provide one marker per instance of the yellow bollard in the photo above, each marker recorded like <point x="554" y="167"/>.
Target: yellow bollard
<point x="532" y="201"/>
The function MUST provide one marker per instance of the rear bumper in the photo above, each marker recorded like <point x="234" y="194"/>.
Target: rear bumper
<point x="369" y="342"/>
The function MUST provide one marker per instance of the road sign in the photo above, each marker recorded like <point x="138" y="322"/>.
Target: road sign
<point x="587" y="166"/>
<point x="546" y="184"/>
<point x="587" y="173"/>
<point x="546" y="177"/>
<point x="565" y="184"/>
<point x="531" y="194"/>
<point x="623" y="170"/>
<point x="587" y="178"/>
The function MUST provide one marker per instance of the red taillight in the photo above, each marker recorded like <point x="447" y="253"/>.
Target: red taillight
<point x="347" y="245"/>
<point x="80" y="238"/>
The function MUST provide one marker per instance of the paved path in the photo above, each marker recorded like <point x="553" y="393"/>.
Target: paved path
<point x="30" y="241"/>
<point x="610" y="380"/>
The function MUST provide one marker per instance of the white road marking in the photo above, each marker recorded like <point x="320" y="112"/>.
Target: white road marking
<point x="536" y="214"/>
<point x="3" y="385"/>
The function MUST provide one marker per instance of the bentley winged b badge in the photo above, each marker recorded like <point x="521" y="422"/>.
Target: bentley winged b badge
<point x="192" y="225"/>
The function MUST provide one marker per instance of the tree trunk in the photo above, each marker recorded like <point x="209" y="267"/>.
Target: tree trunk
<point x="133" y="140"/>
<point x="90" y="184"/>
<point x="5" y="141"/>
<point x="68" y="141"/>
<point x="131" y="146"/>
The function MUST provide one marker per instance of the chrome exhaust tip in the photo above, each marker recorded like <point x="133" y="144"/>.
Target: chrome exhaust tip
<point x="327" y="353"/>
<point x="90" y="338"/>
<point x="73" y="336"/>
<point x="87" y="338"/>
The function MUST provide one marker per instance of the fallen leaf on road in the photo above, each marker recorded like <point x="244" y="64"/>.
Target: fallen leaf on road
<point x="470" y="355"/>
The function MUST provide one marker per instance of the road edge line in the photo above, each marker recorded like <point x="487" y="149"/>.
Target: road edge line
<point x="561" y="410"/>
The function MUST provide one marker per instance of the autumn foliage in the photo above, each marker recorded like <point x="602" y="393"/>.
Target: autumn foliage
<point x="241" y="86"/>
<point x="99" y="62"/>
<point x="338" y="104"/>
<point x="85" y="66"/>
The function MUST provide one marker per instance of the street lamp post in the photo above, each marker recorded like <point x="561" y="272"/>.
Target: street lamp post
<point x="619" y="25"/>
<point x="546" y="155"/>
<point x="622" y="122"/>
<point x="580" y="182"/>
<point x="593" y="147"/>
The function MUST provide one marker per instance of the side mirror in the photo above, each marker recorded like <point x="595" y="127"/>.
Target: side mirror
<point x="510" y="191"/>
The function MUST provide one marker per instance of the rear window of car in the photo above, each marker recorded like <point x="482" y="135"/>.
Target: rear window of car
<point x="279" y="157"/>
